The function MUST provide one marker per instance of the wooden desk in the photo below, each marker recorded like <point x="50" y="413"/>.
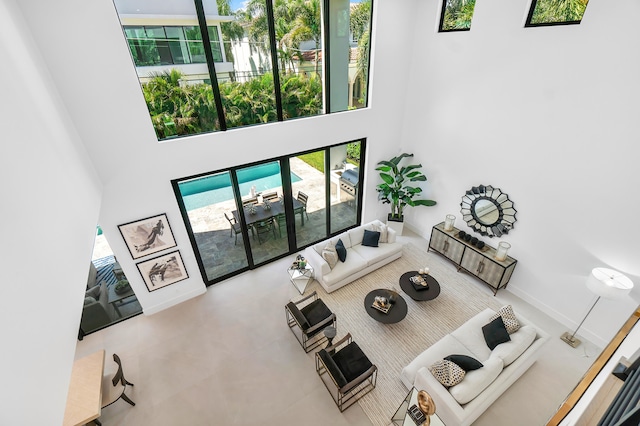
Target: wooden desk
<point x="84" y="400"/>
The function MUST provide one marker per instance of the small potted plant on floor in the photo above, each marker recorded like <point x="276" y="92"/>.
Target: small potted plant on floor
<point x="396" y="191"/>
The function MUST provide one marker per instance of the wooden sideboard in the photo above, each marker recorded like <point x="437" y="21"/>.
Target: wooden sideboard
<point x="480" y="263"/>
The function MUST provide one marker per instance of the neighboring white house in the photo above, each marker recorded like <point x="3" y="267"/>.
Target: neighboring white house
<point x="165" y="35"/>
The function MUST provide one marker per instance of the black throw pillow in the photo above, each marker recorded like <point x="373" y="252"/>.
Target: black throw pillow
<point x="495" y="333"/>
<point x="465" y="362"/>
<point x="370" y="238"/>
<point x="342" y="252"/>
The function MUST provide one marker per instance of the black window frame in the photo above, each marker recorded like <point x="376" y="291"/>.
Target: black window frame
<point x="286" y="187"/>
<point x="454" y="30"/>
<point x="532" y="8"/>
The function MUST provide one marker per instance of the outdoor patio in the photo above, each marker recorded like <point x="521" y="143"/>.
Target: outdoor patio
<point x="217" y="243"/>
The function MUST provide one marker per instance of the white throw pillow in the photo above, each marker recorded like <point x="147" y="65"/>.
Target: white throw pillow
<point x="330" y="255"/>
<point x="476" y="381"/>
<point x="382" y="229"/>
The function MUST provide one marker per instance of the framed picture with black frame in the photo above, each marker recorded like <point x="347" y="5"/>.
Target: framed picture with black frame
<point x="147" y="236"/>
<point x="163" y="270"/>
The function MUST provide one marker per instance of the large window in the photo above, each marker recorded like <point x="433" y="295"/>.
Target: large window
<point x="249" y="215"/>
<point x="266" y="60"/>
<point x="456" y="15"/>
<point x="556" y="12"/>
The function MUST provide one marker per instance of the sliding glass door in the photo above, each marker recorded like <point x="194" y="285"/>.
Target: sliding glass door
<point x="264" y="217"/>
<point x="249" y="215"/>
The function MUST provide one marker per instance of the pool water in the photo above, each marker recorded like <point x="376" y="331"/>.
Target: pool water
<point x="216" y="188"/>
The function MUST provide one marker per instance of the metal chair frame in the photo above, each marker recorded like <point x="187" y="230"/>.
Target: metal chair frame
<point x="348" y="394"/>
<point x="235" y="227"/>
<point x="310" y="338"/>
<point x="118" y="378"/>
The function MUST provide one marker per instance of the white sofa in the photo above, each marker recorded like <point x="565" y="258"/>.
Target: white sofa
<point x="360" y="259"/>
<point x="462" y="404"/>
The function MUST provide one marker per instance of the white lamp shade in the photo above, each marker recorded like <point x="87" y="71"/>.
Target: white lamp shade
<point x="608" y="283"/>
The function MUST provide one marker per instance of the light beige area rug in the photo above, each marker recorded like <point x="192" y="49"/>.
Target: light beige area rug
<point x="393" y="346"/>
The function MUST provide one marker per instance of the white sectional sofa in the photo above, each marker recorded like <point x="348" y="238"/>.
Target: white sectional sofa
<point x="463" y="403"/>
<point x="360" y="259"/>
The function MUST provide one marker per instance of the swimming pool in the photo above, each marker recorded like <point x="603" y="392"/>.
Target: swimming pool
<point x="216" y="188"/>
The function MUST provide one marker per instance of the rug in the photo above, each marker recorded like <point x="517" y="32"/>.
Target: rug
<point x="391" y="347"/>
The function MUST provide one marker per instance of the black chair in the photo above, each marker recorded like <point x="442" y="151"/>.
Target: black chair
<point x="235" y="227"/>
<point x="352" y="374"/>
<point x="113" y="388"/>
<point x="264" y="228"/>
<point x="307" y="318"/>
<point x="303" y="198"/>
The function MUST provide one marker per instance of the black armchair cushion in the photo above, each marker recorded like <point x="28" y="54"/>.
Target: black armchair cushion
<point x="351" y="361"/>
<point x="332" y="368"/>
<point x="299" y="316"/>
<point x="315" y="312"/>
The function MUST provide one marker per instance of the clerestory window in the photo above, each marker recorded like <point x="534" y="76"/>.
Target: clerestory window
<point x="266" y="61"/>
<point x="456" y="15"/>
<point x="556" y="12"/>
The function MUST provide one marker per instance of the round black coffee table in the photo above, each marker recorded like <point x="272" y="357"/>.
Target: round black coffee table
<point x="397" y="312"/>
<point x="431" y="293"/>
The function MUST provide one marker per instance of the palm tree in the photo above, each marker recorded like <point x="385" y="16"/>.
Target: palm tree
<point x="307" y="25"/>
<point x="231" y="31"/>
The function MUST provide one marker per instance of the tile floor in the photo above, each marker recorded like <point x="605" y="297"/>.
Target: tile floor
<point x="228" y="358"/>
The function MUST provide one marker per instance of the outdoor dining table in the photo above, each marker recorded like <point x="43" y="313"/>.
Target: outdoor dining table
<point x="263" y="214"/>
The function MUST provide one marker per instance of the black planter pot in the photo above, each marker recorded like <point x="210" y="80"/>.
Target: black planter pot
<point x="391" y="218"/>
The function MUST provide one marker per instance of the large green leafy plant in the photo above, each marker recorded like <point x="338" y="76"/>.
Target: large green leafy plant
<point x="395" y="188"/>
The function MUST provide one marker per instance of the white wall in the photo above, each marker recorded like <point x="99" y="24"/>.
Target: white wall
<point x="50" y="203"/>
<point x="545" y="114"/>
<point x="110" y="115"/>
<point x="549" y="115"/>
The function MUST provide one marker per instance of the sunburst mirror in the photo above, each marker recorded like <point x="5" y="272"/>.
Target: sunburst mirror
<point x="488" y="210"/>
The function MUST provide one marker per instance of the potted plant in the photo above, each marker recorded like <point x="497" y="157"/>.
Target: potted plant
<point x="122" y="286"/>
<point x="396" y="191"/>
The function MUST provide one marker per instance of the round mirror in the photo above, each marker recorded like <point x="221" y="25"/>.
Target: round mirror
<point x="488" y="211"/>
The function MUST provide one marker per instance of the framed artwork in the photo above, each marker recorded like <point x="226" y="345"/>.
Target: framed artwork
<point x="163" y="270"/>
<point x="147" y="236"/>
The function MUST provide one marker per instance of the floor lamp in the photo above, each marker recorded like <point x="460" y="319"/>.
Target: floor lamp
<point x="605" y="283"/>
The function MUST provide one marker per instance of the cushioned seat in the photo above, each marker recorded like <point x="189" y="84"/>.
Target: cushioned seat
<point x="351" y="372"/>
<point x="307" y="318"/>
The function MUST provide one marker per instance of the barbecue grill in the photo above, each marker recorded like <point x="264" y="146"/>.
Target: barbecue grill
<point x="349" y="182"/>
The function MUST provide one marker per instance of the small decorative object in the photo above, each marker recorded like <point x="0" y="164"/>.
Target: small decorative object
<point x="281" y="200"/>
<point x="503" y="248"/>
<point x="474" y="241"/>
<point x="421" y="271"/>
<point x="426" y="270"/>
<point x="163" y="270"/>
<point x="266" y="205"/>
<point x="382" y="304"/>
<point x="147" y="236"/>
<point x="427" y="406"/>
<point x="480" y="244"/>
<point x="300" y="263"/>
<point x="461" y="234"/>
<point x="122" y="286"/>
<point x="449" y="221"/>
<point x="392" y="298"/>
<point x="467" y="238"/>
<point x="252" y="209"/>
